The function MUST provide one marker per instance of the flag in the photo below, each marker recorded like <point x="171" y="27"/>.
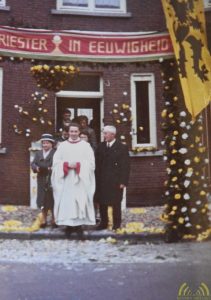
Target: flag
<point x="185" y="21"/>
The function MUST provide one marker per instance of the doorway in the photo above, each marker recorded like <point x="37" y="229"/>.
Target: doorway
<point x="80" y="106"/>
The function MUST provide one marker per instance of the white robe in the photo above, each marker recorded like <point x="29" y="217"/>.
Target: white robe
<point x="73" y="194"/>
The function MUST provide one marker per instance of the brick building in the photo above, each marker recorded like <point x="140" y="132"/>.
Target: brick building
<point x="97" y="88"/>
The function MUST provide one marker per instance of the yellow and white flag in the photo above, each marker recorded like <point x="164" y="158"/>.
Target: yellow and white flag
<point x="186" y="24"/>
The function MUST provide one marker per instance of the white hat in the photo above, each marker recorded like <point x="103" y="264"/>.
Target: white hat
<point x="110" y="128"/>
<point x="47" y="137"/>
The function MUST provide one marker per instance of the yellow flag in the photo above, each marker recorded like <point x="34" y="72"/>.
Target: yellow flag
<point x="186" y="24"/>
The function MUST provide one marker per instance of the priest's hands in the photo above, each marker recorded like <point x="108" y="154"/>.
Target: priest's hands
<point x="72" y="165"/>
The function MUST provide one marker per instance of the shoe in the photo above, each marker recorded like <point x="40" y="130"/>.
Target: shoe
<point x="43" y="225"/>
<point x="68" y="231"/>
<point x="97" y="220"/>
<point x="54" y="225"/>
<point x="80" y="232"/>
<point x="101" y="227"/>
<point x="116" y="227"/>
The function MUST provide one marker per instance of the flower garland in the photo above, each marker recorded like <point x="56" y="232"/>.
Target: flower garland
<point x="136" y="150"/>
<point x="53" y="77"/>
<point x="139" y="227"/>
<point x="121" y="116"/>
<point x="9" y="208"/>
<point x="38" y="115"/>
<point x="15" y="225"/>
<point x="122" y="119"/>
<point x="186" y="188"/>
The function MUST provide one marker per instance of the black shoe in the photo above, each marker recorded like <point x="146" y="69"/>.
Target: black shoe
<point x="97" y="220"/>
<point x="68" y="231"/>
<point x="101" y="227"/>
<point x="43" y="225"/>
<point x="115" y="227"/>
<point x="54" y="225"/>
<point x="80" y="232"/>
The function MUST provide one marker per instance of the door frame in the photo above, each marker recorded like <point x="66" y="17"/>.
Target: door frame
<point x="81" y="94"/>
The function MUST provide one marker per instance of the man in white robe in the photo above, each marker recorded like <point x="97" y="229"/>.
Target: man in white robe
<point x="73" y="182"/>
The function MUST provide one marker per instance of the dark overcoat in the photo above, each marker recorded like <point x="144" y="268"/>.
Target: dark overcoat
<point x="44" y="191"/>
<point x="112" y="169"/>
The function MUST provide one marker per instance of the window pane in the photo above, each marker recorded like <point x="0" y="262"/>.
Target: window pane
<point x="142" y="111"/>
<point x="79" y="3"/>
<point x="85" y="112"/>
<point x="114" y="4"/>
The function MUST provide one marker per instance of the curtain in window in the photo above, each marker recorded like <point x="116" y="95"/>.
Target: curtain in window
<point x="107" y="3"/>
<point x="80" y="3"/>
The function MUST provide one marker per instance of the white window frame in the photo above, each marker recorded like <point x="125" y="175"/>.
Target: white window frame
<point x="207" y="4"/>
<point x="2" y="2"/>
<point x="152" y="109"/>
<point x="91" y="7"/>
<point x="1" y="90"/>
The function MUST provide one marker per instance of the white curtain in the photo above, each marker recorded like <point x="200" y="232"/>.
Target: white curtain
<point x="75" y="2"/>
<point x="107" y="3"/>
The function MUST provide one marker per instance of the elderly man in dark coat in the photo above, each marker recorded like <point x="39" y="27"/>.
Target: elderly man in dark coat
<point x="41" y="165"/>
<point x="112" y="174"/>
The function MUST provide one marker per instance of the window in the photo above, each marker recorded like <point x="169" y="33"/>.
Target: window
<point x="2" y="2"/>
<point x="1" y="82"/>
<point x="207" y="3"/>
<point x="92" y="5"/>
<point x="110" y="4"/>
<point x="143" y="110"/>
<point x="74" y="3"/>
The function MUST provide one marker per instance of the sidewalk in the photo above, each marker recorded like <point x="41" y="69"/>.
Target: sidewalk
<point x="22" y="222"/>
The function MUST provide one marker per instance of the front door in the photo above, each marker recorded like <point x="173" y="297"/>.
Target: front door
<point x="81" y="106"/>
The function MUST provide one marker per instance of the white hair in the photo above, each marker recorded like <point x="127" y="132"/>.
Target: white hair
<point x="110" y="128"/>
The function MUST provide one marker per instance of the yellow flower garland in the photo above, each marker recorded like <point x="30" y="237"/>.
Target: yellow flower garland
<point x="8" y="208"/>
<point x="15" y="225"/>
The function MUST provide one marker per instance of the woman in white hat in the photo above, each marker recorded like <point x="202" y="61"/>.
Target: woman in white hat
<point x="41" y="165"/>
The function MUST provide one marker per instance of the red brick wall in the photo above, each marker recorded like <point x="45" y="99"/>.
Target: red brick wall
<point x="147" y="174"/>
<point x="146" y="15"/>
<point x="18" y="86"/>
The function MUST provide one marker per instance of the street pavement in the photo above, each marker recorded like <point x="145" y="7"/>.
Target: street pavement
<point x="101" y="270"/>
<point x="41" y="264"/>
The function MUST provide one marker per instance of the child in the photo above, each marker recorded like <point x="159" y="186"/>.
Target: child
<point x="41" y="165"/>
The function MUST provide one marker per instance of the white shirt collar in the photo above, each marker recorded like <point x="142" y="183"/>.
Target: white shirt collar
<point x="74" y="141"/>
<point x="45" y="153"/>
<point x="111" y="143"/>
